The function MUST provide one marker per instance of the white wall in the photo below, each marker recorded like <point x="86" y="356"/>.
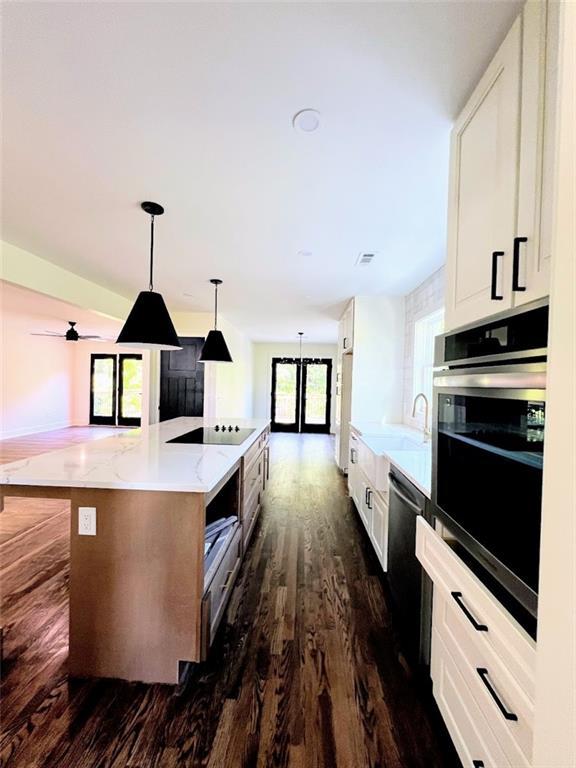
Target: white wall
<point x="263" y="354"/>
<point x="36" y="376"/>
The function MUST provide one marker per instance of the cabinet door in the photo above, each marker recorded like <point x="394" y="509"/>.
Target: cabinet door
<point x="365" y="508"/>
<point x="483" y="191"/>
<point x="535" y="192"/>
<point x="379" y="533"/>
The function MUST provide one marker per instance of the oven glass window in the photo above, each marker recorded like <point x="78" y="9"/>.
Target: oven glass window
<point x="489" y="465"/>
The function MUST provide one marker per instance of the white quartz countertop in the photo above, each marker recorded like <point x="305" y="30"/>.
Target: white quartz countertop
<point x="403" y="446"/>
<point x="138" y="459"/>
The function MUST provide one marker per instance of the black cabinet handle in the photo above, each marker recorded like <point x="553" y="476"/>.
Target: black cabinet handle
<point x="478" y="627"/>
<point x="366" y="496"/>
<point x="484" y="677"/>
<point x="344" y="342"/>
<point x="478" y="764"/>
<point x="352" y="455"/>
<point x="516" y="264"/>
<point x="493" y="295"/>
<point x="369" y="498"/>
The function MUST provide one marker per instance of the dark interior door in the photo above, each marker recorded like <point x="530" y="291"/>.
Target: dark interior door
<point x="182" y="380"/>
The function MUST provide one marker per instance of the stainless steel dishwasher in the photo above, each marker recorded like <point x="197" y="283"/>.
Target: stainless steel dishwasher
<point x="410" y="587"/>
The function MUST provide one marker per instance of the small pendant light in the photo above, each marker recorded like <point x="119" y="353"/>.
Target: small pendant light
<point x="148" y="325"/>
<point x="215" y="349"/>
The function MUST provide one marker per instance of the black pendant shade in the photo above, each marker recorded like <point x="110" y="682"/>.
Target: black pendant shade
<point x="148" y="325"/>
<point x="215" y="349"/>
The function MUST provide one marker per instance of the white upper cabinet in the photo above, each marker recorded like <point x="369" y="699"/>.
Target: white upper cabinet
<point x="495" y="259"/>
<point x="346" y="330"/>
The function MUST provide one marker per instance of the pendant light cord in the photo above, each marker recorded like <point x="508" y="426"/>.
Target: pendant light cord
<point x="151" y="287"/>
<point x="216" y="306"/>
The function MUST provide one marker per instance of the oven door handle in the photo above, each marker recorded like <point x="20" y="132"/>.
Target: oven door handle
<point x="395" y="486"/>
<point x="492" y="380"/>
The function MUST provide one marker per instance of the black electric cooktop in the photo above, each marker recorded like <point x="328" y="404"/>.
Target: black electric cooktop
<point x="224" y="434"/>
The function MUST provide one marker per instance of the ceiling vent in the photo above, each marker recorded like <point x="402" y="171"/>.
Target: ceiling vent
<point x="364" y="259"/>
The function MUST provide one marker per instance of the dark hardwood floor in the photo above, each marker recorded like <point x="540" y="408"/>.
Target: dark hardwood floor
<point x="304" y="671"/>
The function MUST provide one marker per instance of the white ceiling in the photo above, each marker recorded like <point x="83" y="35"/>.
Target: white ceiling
<point x="108" y="104"/>
<point x="44" y="313"/>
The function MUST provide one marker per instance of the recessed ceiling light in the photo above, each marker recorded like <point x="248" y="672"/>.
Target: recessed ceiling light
<point x="306" y="121"/>
<point x="304" y="254"/>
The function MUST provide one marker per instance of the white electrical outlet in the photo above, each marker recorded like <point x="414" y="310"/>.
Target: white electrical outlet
<point x="87" y="521"/>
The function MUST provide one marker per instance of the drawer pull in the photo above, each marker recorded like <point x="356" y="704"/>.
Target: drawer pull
<point x="227" y="581"/>
<point x="478" y="627"/>
<point x="484" y="677"/>
<point x="478" y="764"/>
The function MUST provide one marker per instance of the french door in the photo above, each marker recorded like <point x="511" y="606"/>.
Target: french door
<point x="301" y="394"/>
<point x="116" y="390"/>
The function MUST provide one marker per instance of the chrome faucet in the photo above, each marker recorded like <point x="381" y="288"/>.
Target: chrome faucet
<point x="427" y="433"/>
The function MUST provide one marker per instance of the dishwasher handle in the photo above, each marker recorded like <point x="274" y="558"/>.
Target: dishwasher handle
<point x="395" y="486"/>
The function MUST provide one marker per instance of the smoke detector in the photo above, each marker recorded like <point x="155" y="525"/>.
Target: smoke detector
<point x="364" y="259"/>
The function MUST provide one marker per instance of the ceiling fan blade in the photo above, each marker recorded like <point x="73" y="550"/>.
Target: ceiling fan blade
<point x="88" y="336"/>
<point x="53" y="334"/>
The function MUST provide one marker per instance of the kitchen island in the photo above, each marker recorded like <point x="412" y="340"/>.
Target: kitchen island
<point x="144" y="599"/>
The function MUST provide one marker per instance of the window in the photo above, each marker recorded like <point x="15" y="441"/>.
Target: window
<point x="425" y="329"/>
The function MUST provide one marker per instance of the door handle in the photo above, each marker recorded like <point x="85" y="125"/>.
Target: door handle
<point x="493" y="295"/>
<point x="477" y="626"/>
<point x="516" y="264"/>
<point x="491" y="690"/>
<point x="396" y="488"/>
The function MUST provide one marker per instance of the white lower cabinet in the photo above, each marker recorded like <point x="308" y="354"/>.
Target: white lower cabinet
<point x="379" y="529"/>
<point x="372" y="507"/>
<point x="474" y="741"/>
<point x="483" y="663"/>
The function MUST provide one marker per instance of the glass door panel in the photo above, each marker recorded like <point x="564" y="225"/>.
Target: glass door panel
<point x="285" y="396"/>
<point x="103" y="389"/>
<point x="130" y="391"/>
<point x="316" y="401"/>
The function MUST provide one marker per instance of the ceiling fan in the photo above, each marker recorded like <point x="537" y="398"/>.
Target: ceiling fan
<point x="71" y="334"/>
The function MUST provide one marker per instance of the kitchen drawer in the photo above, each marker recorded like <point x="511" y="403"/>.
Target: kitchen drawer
<point x="254" y="475"/>
<point x="504" y="639"/>
<point x="250" y="513"/>
<point x="472" y="736"/>
<point x="255" y="449"/>
<point x="221" y="585"/>
<point x="514" y="735"/>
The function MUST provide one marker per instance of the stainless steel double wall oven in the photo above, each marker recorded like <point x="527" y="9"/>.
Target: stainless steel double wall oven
<point x="488" y="444"/>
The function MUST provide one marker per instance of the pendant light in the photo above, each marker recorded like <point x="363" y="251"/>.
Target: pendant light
<point x="215" y="349"/>
<point x="148" y="325"/>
